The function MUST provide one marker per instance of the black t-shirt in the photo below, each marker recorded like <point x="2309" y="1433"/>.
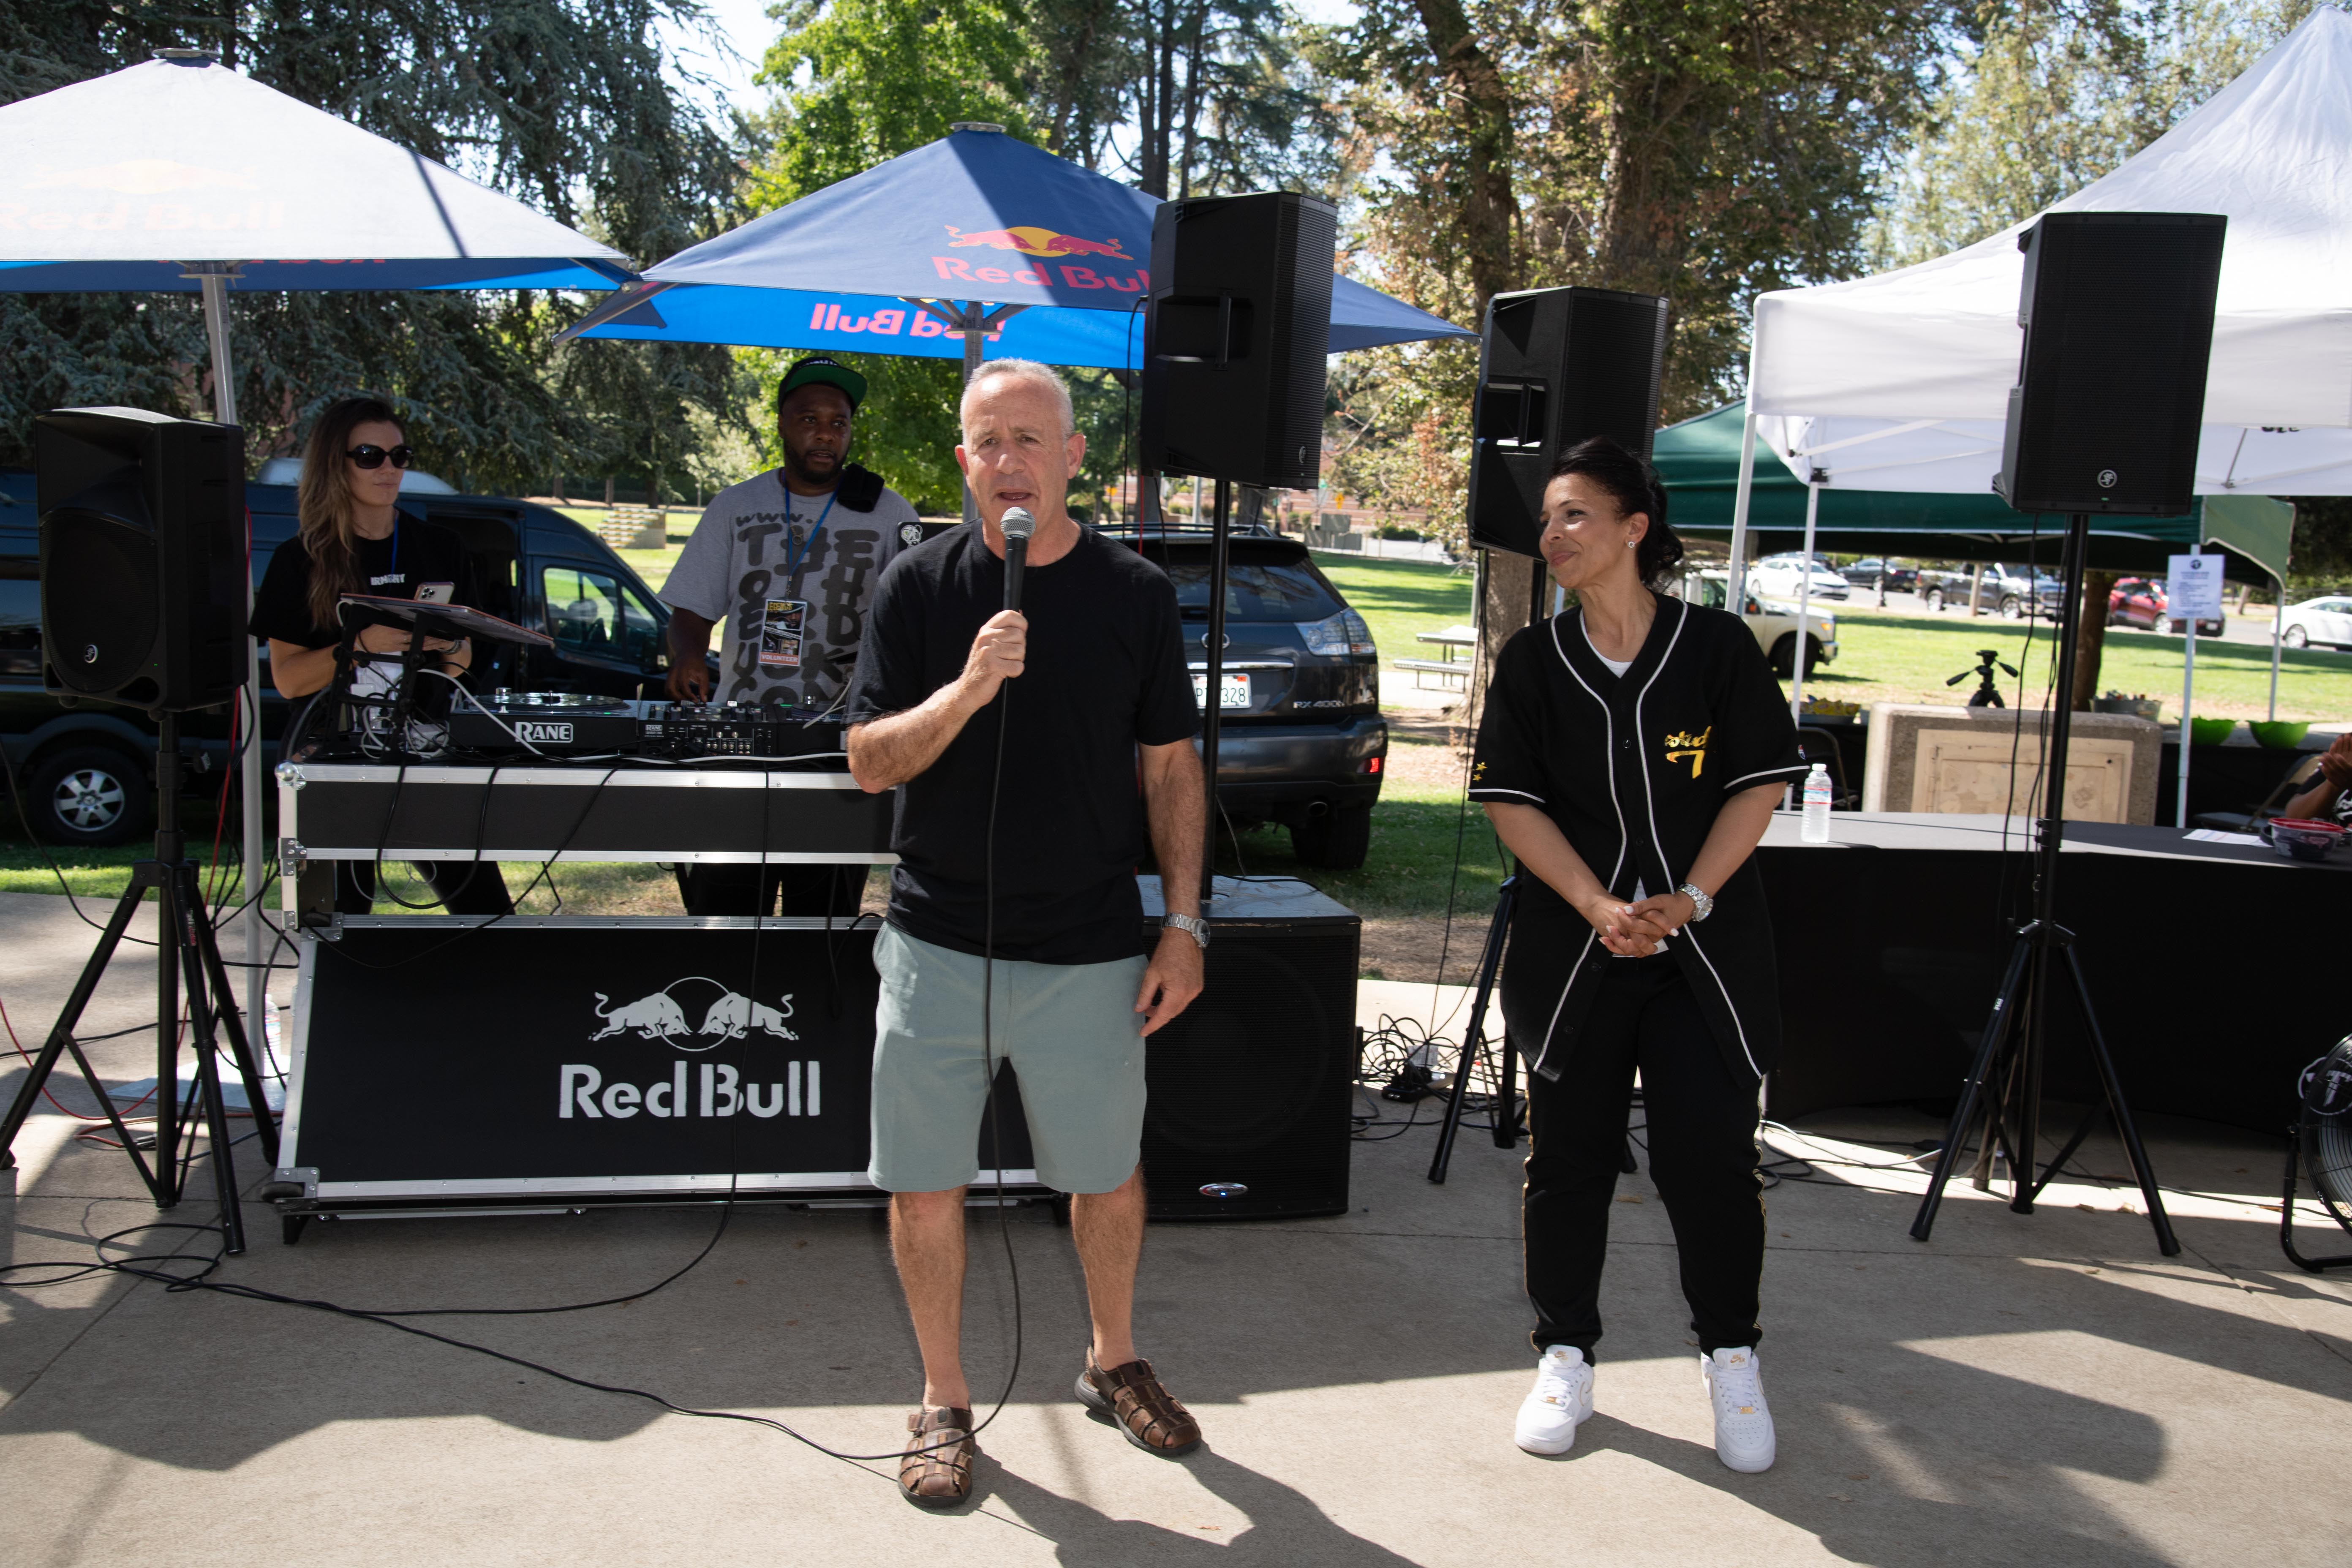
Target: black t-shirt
<point x="414" y="553"/>
<point x="1105" y="673"/>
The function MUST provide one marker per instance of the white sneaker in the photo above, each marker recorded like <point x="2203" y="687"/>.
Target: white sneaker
<point x="1743" y="1422"/>
<point x="1561" y="1397"/>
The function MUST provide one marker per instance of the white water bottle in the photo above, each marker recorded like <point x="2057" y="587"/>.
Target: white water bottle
<point x="1816" y="829"/>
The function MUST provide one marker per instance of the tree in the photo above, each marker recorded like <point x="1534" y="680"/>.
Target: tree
<point x="2055" y="95"/>
<point x="1705" y="149"/>
<point x="564" y="103"/>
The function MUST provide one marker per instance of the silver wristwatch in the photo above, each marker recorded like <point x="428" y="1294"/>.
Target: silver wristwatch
<point x="1197" y="928"/>
<point x="1702" y="906"/>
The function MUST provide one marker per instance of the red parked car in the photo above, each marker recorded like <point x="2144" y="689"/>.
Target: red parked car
<point x="2139" y="602"/>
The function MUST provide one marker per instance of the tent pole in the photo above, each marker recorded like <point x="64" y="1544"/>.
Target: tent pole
<point x="214" y="281"/>
<point x="1738" y="572"/>
<point x="2278" y="624"/>
<point x="1804" y="601"/>
<point x="2187" y="694"/>
<point x="972" y="341"/>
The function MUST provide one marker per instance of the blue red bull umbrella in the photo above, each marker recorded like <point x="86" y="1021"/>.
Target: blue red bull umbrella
<point x="977" y="216"/>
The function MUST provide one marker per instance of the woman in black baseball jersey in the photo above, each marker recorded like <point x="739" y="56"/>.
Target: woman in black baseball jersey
<point x="1630" y="756"/>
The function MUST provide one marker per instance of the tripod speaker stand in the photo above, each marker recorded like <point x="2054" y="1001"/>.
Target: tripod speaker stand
<point x="185" y="954"/>
<point x="2004" y="1090"/>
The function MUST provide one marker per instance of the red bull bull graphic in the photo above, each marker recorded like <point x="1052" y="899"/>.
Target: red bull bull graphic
<point x="1048" y="246"/>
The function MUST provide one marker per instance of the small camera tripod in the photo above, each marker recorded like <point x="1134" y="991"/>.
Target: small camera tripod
<point x="1987" y="693"/>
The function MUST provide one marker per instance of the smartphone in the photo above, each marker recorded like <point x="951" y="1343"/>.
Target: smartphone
<point x="435" y="593"/>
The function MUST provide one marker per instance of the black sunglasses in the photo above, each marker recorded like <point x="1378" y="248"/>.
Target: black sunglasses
<point x="374" y="456"/>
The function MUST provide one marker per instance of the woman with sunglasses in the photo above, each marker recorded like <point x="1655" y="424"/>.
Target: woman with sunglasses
<point x="354" y="537"/>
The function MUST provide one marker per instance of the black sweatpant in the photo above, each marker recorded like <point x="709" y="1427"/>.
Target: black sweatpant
<point x="721" y="887"/>
<point x="1702" y="1138"/>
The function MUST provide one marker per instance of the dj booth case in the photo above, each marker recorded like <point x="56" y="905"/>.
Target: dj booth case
<point x="538" y="1064"/>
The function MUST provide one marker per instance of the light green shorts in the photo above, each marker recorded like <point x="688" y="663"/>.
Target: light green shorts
<point x="1070" y="1030"/>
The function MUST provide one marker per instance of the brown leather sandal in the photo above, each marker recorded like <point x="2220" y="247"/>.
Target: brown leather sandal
<point x="1146" y="1412"/>
<point x="936" y="1469"/>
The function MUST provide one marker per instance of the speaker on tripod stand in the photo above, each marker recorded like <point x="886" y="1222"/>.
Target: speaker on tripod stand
<point x="2117" y="310"/>
<point x="142" y="604"/>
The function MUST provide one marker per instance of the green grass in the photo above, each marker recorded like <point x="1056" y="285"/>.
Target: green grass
<point x="1399" y="598"/>
<point x="1410" y="863"/>
<point x="1906" y="658"/>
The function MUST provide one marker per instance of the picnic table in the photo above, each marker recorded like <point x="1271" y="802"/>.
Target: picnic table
<point x="1448" y="666"/>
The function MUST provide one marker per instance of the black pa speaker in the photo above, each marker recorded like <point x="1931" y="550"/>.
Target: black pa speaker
<point x="1250" y="1086"/>
<point x="2117" y="310"/>
<point x="1238" y="324"/>
<point x="143" y="557"/>
<point x="1555" y="366"/>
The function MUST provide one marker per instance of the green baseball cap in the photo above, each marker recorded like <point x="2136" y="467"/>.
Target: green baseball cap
<point x="819" y="371"/>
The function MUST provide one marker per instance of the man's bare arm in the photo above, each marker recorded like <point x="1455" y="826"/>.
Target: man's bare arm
<point x="1175" y="801"/>
<point x="886" y="753"/>
<point x="689" y="656"/>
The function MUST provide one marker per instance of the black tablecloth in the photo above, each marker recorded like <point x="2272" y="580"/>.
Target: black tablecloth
<point x="2213" y="967"/>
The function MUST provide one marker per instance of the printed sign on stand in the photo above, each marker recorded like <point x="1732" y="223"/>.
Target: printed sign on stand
<point x="2192" y="586"/>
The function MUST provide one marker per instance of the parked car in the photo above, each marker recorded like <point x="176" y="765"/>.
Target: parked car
<point x="1300" y="738"/>
<point x="2317" y="623"/>
<point x="88" y="770"/>
<point x="2014" y="592"/>
<point x="1866" y="572"/>
<point x="1773" y="622"/>
<point x="2140" y="602"/>
<point x="1785" y="575"/>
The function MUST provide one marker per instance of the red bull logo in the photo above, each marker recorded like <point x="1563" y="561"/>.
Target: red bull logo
<point x="1030" y="241"/>
<point x="1046" y="246"/>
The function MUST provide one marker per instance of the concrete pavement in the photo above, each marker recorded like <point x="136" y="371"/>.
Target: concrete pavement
<point x="2022" y="1390"/>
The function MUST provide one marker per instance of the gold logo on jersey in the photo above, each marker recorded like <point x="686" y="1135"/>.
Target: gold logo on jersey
<point x="1478" y="774"/>
<point x="1681" y="744"/>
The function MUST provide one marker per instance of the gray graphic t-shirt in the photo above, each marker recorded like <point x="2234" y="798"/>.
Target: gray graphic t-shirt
<point x="788" y="581"/>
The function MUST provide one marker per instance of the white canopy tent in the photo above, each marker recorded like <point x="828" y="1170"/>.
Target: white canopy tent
<point x="180" y="175"/>
<point x="1900" y="382"/>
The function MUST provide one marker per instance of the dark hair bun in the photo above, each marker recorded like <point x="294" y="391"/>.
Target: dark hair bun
<point x="1634" y="484"/>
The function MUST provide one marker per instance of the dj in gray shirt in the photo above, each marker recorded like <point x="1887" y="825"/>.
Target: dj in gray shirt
<point x="784" y="564"/>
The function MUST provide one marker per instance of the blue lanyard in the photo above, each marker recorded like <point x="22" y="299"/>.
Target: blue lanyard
<point x="793" y="558"/>
<point x="395" y="544"/>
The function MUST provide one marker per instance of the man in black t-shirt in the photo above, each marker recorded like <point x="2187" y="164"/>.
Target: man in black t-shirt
<point x="1016" y="742"/>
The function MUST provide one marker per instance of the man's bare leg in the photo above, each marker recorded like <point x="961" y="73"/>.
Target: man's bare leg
<point x="926" y="1242"/>
<point x="1109" y="1230"/>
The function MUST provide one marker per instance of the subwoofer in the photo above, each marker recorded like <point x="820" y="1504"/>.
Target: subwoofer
<point x="1238" y="324"/>
<point x="143" y="557"/>
<point x="1555" y="366"/>
<point x="2110" y="396"/>
<point x="1250" y="1086"/>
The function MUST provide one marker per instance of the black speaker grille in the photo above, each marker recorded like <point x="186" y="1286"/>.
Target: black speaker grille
<point x="1555" y="366"/>
<point x="1250" y="1084"/>
<point x="99" y="599"/>
<point x="2119" y="311"/>
<point x="1239" y="328"/>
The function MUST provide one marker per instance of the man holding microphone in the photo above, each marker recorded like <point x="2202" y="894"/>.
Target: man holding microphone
<point x="1014" y="737"/>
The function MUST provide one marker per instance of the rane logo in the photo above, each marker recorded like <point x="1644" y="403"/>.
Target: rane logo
<point x="542" y="731"/>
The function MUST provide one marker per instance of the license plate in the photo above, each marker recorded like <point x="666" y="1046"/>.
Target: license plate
<point x="1235" y="692"/>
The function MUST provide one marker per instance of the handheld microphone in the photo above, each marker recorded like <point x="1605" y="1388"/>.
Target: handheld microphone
<point x="1018" y="526"/>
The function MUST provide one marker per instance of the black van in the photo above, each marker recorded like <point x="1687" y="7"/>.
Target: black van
<point x="88" y="770"/>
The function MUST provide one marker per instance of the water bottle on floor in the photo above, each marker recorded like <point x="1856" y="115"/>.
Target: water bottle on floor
<point x="1816" y="829"/>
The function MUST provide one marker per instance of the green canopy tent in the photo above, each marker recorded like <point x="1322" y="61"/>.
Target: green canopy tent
<point x="1699" y="462"/>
